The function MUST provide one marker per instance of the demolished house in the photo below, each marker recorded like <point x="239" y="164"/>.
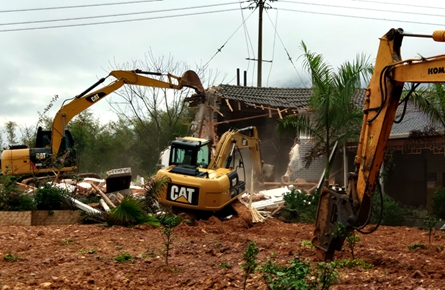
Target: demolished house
<point x="228" y="106"/>
<point x="418" y="165"/>
<point x="231" y="106"/>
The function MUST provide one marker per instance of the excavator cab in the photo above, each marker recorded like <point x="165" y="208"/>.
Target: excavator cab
<point x="187" y="154"/>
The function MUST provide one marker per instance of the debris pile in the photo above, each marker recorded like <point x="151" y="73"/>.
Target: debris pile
<point x="96" y="195"/>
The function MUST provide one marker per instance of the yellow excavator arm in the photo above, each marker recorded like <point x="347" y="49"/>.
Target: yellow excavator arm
<point x="352" y="208"/>
<point x="232" y="139"/>
<point x="85" y="100"/>
<point x="23" y="161"/>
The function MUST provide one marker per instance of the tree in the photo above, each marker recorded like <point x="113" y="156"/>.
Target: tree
<point x="157" y="115"/>
<point x="101" y="147"/>
<point x="11" y="135"/>
<point x="333" y="116"/>
<point x="28" y="136"/>
<point x="1" y="142"/>
<point x="431" y="100"/>
<point x="85" y="129"/>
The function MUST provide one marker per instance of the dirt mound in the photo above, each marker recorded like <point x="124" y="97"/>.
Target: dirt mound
<point x="206" y="255"/>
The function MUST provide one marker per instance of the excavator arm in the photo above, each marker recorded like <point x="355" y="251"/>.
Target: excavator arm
<point x="352" y="208"/>
<point x="86" y="99"/>
<point x="241" y="138"/>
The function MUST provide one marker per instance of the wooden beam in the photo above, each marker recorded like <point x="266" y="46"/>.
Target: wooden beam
<point x="228" y="105"/>
<point x="216" y="110"/>
<point x="106" y="199"/>
<point x="252" y="117"/>
<point x="242" y="119"/>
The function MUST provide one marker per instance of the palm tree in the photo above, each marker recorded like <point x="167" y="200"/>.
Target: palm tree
<point x="431" y="100"/>
<point x="333" y="116"/>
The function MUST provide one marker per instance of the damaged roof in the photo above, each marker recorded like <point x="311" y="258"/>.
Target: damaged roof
<point x="294" y="98"/>
<point x="272" y="97"/>
<point x="297" y="98"/>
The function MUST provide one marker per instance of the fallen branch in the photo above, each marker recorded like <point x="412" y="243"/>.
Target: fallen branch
<point x="104" y="196"/>
<point x="277" y="210"/>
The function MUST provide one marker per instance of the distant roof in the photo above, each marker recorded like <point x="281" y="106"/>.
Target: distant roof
<point x="414" y="119"/>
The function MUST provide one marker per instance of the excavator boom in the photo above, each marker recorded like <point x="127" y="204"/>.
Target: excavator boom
<point x="24" y="161"/>
<point x="83" y="101"/>
<point x="352" y="208"/>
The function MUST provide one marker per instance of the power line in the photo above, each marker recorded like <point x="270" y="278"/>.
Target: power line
<point x="274" y="42"/>
<point x="116" y="21"/>
<point x="401" y="4"/>
<point x="285" y="49"/>
<point x="220" y="49"/>
<point x="360" y="17"/>
<point x="116" y="15"/>
<point x="76" y="6"/>
<point x="362" y="8"/>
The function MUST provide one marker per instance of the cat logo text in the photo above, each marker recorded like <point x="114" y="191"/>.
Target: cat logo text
<point x="183" y="194"/>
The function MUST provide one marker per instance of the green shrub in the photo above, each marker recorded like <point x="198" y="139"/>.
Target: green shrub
<point x="415" y="246"/>
<point x="347" y="234"/>
<point x="250" y="261"/>
<point x="168" y="222"/>
<point x="393" y="213"/>
<point x="439" y="203"/>
<point x="299" y="275"/>
<point x="347" y="263"/>
<point x="124" y="258"/>
<point x="224" y="265"/>
<point x="49" y="198"/>
<point x="12" y="199"/>
<point x="10" y="258"/>
<point x="300" y="206"/>
<point x="429" y="223"/>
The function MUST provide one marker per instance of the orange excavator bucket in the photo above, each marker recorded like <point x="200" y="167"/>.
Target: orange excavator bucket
<point x="191" y="80"/>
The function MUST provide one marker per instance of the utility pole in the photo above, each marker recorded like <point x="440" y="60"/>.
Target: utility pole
<point x="260" y="41"/>
<point x="260" y="5"/>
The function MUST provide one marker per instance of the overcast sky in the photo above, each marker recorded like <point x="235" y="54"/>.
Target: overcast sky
<point x="47" y="51"/>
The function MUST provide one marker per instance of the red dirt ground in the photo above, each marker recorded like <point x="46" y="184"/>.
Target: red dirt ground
<point x="83" y="256"/>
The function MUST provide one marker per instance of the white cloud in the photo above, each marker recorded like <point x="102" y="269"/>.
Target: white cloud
<point x="37" y="64"/>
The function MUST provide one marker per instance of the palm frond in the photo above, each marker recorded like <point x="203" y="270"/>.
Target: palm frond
<point x="334" y="117"/>
<point x="129" y="212"/>
<point x="431" y="100"/>
<point x="153" y="187"/>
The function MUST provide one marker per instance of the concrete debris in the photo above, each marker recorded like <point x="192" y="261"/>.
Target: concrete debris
<point x="82" y="206"/>
<point x="262" y="204"/>
<point x="270" y="198"/>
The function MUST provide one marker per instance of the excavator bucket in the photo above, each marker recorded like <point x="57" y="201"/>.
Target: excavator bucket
<point x="191" y="80"/>
<point x="333" y="208"/>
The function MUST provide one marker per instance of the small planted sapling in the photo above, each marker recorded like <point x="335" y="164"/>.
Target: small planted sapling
<point x="250" y="261"/>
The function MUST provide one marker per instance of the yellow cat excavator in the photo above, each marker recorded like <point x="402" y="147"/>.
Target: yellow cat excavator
<point x="54" y="149"/>
<point x="351" y="209"/>
<point x="200" y="180"/>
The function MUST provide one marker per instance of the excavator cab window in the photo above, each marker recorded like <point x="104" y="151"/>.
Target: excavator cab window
<point x="188" y="157"/>
<point x="43" y="139"/>
<point x="203" y="157"/>
<point x="185" y="152"/>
